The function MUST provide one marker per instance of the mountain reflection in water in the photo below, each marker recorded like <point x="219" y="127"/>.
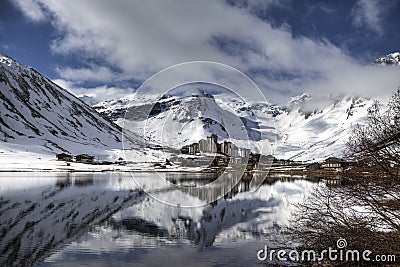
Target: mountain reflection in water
<point x="66" y="219"/>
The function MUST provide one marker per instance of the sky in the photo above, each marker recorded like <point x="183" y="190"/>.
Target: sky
<point x="106" y="49"/>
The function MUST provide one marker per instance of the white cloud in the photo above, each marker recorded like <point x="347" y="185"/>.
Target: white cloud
<point x="98" y="93"/>
<point x="142" y="37"/>
<point x="31" y="8"/>
<point x="95" y="73"/>
<point x="368" y="14"/>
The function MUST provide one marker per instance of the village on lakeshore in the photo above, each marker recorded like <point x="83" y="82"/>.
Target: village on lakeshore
<point x="216" y="157"/>
<point x="220" y="155"/>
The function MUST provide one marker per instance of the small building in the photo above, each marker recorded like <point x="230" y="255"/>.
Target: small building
<point x="208" y="145"/>
<point x="194" y="148"/>
<point x="212" y="143"/>
<point x="333" y="162"/>
<point x="185" y="150"/>
<point x="84" y="158"/>
<point x="315" y="166"/>
<point x="203" y="146"/>
<point x="64" y="157"/>
<point x="229" y="149"/>
<point x="226" y="148"/>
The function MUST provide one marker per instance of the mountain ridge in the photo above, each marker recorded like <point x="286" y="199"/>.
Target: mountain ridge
<point x="34" y="110"/>
<point x="298" y="130"/>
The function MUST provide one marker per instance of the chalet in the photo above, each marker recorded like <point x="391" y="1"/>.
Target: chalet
<point x="334" y="162"/>
<point x="315" y="166"/>
<point x="84" y="158"/>
<point x="64" y="157"/>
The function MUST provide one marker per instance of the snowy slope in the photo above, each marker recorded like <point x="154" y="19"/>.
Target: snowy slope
<point x="36" y="112"/>
<point x="317" y="134"/>
<point x="301" y="130"/>
<point x="176" y="121"/>
<point x="304" y="129"/>
<point x="38" y="119"/>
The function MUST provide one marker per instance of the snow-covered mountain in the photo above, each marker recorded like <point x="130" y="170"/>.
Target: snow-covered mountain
<point x="38" y="115"/>
<point x="300" y="130"/>
<point x="312" y="133"/>
<point x="307" y="129"/>
<point x="389" y="59"/>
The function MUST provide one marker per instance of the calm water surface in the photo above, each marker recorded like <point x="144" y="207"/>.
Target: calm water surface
<point x="104" y="219"/>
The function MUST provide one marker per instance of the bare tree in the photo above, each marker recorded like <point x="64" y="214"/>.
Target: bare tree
<point x="366" y="208"/>
<point x="365" y="219"/>
<point x="377" y="144"/>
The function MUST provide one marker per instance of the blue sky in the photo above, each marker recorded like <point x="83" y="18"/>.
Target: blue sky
<point x="105" y="49"/>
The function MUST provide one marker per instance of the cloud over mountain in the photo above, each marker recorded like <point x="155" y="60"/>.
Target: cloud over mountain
<point x="137" y="39"/>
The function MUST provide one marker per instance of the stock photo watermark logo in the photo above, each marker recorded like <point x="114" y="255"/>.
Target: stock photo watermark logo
<point x="338" y="253"/>
<point x="172" y="120"/>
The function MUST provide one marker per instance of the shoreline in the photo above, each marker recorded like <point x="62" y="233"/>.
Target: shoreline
<point x="271" y="172"/>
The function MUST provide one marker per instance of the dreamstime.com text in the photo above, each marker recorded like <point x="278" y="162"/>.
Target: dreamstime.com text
<point x="331" y="254"/>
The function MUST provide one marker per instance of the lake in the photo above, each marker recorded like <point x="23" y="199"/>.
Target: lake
<point x="106" y="219"/>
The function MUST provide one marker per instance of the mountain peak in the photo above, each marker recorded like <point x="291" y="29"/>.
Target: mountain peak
<point x="389" y="59"/>
<point x="9" y="62"/>
<point x="299" y="99"/>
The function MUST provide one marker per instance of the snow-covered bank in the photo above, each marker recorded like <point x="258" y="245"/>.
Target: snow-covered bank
<point x="14" y="159"/>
